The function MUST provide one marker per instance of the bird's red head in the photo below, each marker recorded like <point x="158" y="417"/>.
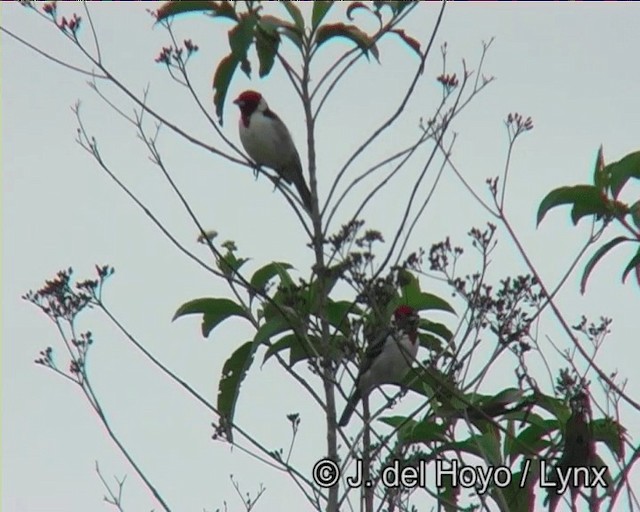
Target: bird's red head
<point x="403" y="311"/>
<point x="248" y="102"/>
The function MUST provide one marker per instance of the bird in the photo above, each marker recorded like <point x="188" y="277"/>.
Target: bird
<point x="268" y="142"/>
<point x="388" y="360"/>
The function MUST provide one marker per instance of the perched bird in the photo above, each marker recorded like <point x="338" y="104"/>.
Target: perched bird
<point x="268" y="142"/>
<point x="387" y="360"/>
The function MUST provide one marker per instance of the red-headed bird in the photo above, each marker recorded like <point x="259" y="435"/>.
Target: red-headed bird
<point x="268" y="142"/>
<point x="386" y="361"/>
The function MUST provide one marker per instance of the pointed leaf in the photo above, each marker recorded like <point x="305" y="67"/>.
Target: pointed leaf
<point x="591" y="205"/>
<point x="412" y="431"/>
<point x="437" y="329"/>
<point x="214" y="312"/>
<point x="320" y="10"/>
<point x="534" y="438"/>
<point x="295" y="14"/>
<point x="599" y="174"/>
<point x="414" y="44"/>
<point x="619" y="172"/>
<point x="597" y="256"/>
<point x="315" y="293"/>
<point x="633" y="263"/>
<point x="485" y="446"/>
<point x="303" y="349"/>
<point x="409" y="287"/>
<point x="338" y="314"/>
<point x="269" y="329"/>
<point x="283" y="343"/>
<point x="233" y="373"/>
<point x="264" y="274"/>
<point x="175" y="7"/>
<point x="267" y="44"/>
<point x="285" y="278"/>
<point x="229" y="263"/>
<point x="611" y="433"/>
<point x="427" y="301"/>
<point x="364" y="42"/>
<point x="221" y="80"/>
<point x="241" y="37"/>
<point x="273" y="24"/>
<point x="431" y="343"/>
<point x="582" y="194"/>
<point x="555" y="406"/>
<point x="634" y="209"/>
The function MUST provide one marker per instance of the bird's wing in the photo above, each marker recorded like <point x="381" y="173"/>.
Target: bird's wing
<point x="284" y="135"/>
<point x="375" y="349"/>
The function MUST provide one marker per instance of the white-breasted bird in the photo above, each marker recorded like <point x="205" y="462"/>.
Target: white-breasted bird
<point x="268" y="142"/>
<point x="388" y="360"/>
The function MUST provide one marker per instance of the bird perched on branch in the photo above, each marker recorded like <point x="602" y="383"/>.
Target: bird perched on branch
<point x="268" y="142"/>
<point x="387" y="360"/>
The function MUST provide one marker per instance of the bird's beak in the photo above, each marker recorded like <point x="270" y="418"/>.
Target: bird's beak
<point x="238" y="102"/>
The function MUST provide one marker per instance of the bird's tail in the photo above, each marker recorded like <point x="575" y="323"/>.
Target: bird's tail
<point x="350" y="408"/>
<point x="303" y="190"/>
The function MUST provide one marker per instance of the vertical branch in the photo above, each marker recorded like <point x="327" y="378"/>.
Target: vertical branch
<point x="327" y="367"/>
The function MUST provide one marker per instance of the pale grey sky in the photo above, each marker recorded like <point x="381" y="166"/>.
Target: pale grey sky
<point x="572" y="67"/>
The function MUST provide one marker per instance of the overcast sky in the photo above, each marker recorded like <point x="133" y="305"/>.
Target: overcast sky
<point x="572" y="67"/>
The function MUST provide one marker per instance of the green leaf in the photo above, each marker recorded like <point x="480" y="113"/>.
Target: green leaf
<point x="272" y="25"/>
<point x="534" y="438"/>
<point x="351" y="32"/>
<point x="485" y="446"/>
<point x="315" y="293"/>
<point x="399" y="5"/>
<point x="320" y="10"/>
<point x="299" y="349"/>
<point x="214" y="312"/>
<point x="583" y="195"/>
<point x="267" y="44"/>
<point x="229" y="264"/>
<point x="233" y="373"/>
<point x="431" y="343"/>
<point x="599" y="174"/>
<point x="414" y="44"/>
<point x="427" y="301"/>
<point x="558" y="408"/>
<point x="283" y="343"/>
<point x="271" y="328"/>
<point x="285" y="278"/>
<point x="426" y="431"/>
<point x="597" y="256"/>
<point x="619" y="172"/>
<point x="412" y="431"/>
<point x="633" y="263"/>
<point x="264" y="274"/>
<point x="409" y="286"/>
<point x="295" y="14"/>
<point x="221" y="80"/>
<point x="611" y="433"/>
<point x="175" y="7"/>
<point x="241" y="37"/>
<point x="517" y="498"/>
<point x="303" y="349"/>
<point x="338" y="314"/>
<point x="436" y="328"/>
<point x="589" y="206"/>
<point x="634" y="209"/>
